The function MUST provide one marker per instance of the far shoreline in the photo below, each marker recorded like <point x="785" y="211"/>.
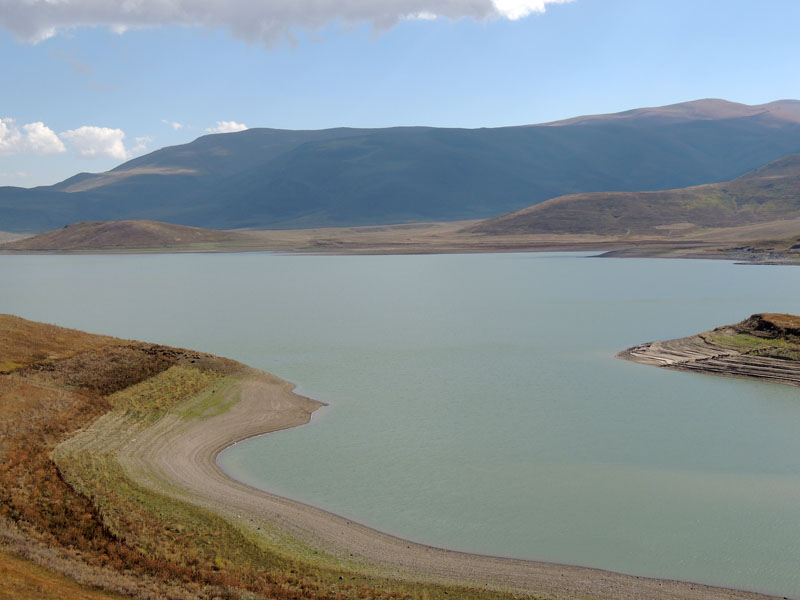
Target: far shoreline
<point x="748" y="244"/>
<point x="596" y="252"/>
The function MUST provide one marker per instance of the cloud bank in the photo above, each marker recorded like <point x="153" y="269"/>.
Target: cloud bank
<point x="93" y="142"/>
<point x="32" y="138"/>
<point x="87" y="141"/>
<point x="251" y="20"/>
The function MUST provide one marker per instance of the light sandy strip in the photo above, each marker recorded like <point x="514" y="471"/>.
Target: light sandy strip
<point x="182" y="454"/>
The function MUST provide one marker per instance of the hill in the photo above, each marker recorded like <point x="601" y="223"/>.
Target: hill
<point x="270" y="178"/>
<point x="120" y="235"/>
<point x="769" y="193"/>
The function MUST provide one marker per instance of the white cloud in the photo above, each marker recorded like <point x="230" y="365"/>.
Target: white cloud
<point x="87" y="141"/>
<point x="263" y="20"/>
<point x="518" y="9"/>
<point x="31" y="138"/>
<point x="174" y="124"/>
<point x="95" y="142"/>
<point x="10" y="137"/>
<point x="141" y="144"/>
<point x="41" y="139"/>
<point x="227" y="127"/>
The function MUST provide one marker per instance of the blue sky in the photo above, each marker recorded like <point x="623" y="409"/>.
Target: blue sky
<point x="73" y="84"/>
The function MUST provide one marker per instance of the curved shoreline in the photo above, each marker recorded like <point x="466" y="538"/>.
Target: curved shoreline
<point x="182" y="454"/>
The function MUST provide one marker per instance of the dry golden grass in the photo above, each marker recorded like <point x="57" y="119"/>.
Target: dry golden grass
<point x="24" y="408"/>
<point x="23" y="580"/>
<point x="783" y="321"/>
<point x="24" y="342"/>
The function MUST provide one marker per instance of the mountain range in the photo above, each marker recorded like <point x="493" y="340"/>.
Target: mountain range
<point x="270" y="178"/>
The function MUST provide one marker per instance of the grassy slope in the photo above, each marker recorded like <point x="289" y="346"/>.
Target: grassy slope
<point x="766" y="194"/>
<point x="769" y="335"/>
<point x="88" y="517"/>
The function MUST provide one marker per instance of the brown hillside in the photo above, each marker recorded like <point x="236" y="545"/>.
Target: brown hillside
<point x="766" y="194"/>
<point x="120" y="235"/>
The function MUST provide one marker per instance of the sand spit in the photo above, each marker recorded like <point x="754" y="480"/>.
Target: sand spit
<point x="178" y="457"/>
<point x="764" y="347"/>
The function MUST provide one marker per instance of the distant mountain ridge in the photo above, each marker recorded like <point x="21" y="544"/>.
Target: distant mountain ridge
<point x="697" y="110"/>
<point x="270" y="178"/>
<point x="769" y="193"/>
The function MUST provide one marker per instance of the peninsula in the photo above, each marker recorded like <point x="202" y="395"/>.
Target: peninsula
<point x="766" y="346"/>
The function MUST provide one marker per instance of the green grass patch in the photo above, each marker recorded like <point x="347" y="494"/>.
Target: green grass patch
<point x="213" y="401"/>
<point x="780" y="348"/>
<point x="157" y="395"/>
<point x="745" y="342"/>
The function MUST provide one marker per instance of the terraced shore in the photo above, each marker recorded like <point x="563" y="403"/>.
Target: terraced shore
<point x="765" y="346"/>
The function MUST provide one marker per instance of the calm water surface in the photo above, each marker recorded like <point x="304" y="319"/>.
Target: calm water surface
<point x="475" y="401"/>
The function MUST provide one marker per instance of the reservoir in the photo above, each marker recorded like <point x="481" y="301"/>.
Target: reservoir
<point x="475" y="402"/>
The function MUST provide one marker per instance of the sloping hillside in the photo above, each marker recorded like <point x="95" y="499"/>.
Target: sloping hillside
<point x="766" y="194"/>
<point x="119" y="235"/>
<point x="268" y="178"/>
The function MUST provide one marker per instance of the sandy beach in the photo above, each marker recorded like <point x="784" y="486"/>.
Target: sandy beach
<point x="178" y="457"/>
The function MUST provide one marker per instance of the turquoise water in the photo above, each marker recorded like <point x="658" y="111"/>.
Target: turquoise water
<point x="475" y="401"/>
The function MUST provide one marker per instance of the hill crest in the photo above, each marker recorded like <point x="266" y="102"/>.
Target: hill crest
<point x="119" y="235"/>
<point x="695" y="110"/>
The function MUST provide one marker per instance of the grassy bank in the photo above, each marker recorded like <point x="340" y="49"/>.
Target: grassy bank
<point x="77" y="503"/>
